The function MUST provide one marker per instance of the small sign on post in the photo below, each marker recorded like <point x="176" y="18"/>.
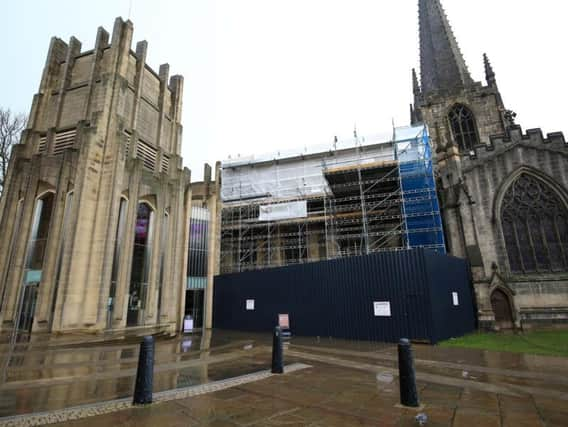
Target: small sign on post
<point x="284" y="323"/>
<point x="188" y="324"/>
<point x="382" y="308"/>
<point x="250" y="305"/>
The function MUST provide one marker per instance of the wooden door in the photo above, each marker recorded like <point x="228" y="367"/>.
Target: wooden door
<point x="502" y="309"/>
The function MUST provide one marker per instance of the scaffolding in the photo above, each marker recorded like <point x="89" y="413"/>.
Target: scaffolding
<point x="359" y="196"/>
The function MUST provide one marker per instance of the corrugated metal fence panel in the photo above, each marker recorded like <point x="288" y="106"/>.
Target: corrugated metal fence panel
<point x="335" y="298"/>
<point x="449" y="275"/>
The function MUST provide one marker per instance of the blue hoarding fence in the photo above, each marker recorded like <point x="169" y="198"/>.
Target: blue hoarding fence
<point x="419" y="294"/>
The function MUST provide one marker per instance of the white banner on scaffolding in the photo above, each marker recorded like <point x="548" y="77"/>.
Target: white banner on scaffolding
<point x="281" y="211"/>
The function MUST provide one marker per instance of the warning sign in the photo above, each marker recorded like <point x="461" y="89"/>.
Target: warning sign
<point x="382" y="308"/>
<point x="455" y="299"/>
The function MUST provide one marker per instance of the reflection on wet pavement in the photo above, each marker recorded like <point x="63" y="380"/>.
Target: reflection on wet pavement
<point x="351" y="383"/>
<point x="44" y="376"/>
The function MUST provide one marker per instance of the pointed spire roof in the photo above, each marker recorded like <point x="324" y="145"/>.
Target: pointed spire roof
<point x="441" y="63"/>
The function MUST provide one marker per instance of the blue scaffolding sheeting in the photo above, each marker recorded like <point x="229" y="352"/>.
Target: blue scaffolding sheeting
<point x="421" y="209"/>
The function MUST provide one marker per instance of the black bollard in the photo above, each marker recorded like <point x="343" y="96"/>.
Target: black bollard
<point x="407" y="376"/>
<point x="145" y="372"/>
<point x="277" y="352"/>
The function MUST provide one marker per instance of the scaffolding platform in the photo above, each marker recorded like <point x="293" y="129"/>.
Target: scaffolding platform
<point x="369" y="195"/>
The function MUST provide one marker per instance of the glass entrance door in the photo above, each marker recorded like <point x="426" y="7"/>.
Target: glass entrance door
<point x="194" y="306"/>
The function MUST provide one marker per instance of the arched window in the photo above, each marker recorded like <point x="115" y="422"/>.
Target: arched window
<point x="464" y="129"/>
<point x="38" y="237"/>
<point x="141" y="258"/>
<point x="535" y="227"/>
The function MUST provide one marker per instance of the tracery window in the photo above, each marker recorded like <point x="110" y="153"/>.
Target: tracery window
<point x="464" y="129"/>
<point x="535" y="227"/>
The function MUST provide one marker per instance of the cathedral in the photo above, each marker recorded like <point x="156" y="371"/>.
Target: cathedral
<point x="103" y="229"/>
<point x="503" y="192"/>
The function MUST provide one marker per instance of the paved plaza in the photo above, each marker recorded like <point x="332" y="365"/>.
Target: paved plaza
<point x="222" y="379"/>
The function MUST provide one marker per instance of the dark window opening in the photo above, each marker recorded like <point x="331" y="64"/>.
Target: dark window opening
<point x="40" y="232"/>
<point x="464" y="129"/>
<point x="141" y="259"/>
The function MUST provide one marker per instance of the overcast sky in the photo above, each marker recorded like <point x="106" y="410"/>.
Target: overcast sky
<point x="264" y="75"/>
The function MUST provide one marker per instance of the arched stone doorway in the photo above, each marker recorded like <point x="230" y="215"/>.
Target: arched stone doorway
<point x="502" y="309"/>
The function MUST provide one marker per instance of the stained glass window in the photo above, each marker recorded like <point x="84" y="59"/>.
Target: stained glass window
<point x="535" y="227"/>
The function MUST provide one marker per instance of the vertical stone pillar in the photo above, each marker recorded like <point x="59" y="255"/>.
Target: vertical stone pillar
<point x="164" y="144"/>
<point x="100" y="44"/>
<point x="73" y="51"/>
<point x="176" y="87"/>
<point x="97" y="196"/>
<point x="175" y="291"/>
<point x="213" y="203"/>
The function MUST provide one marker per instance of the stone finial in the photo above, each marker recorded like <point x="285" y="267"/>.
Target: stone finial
<point x="176" y="87"/>
<point x="207" y="173"/>
<point x="122" y="30"/>
<point x="164" y="72"/>
<point x="103" y="37"/>
<point x="141" y="49"/>
<point x="415" y="84"/>
<point x="489" y="73"/>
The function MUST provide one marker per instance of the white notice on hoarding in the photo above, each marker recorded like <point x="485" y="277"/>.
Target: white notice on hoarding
<point x="281" y="211"/>
<point x="382" y="308"/>
<point x="250" y="304"/>
<point x="455" y="298"/>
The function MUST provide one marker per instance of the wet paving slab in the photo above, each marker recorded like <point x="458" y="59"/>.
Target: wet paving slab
<point x="326" y="395"/>
<point x="349" y="383"/>
<point x="54" y="377"/>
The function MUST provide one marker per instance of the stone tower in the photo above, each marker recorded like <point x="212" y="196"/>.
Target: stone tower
<point x="503" y="193"/>
<point x="96" y="200"/>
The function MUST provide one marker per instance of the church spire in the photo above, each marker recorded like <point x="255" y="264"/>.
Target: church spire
<point x="441" y="63"/>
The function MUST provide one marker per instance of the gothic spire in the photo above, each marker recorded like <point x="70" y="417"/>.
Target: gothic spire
<point x="441" y="63"/>
<point x="489" y="73"/>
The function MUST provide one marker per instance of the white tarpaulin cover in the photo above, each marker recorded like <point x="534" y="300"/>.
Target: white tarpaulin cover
<point x="283" y="211"/>
<point x="300" y="173"/>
